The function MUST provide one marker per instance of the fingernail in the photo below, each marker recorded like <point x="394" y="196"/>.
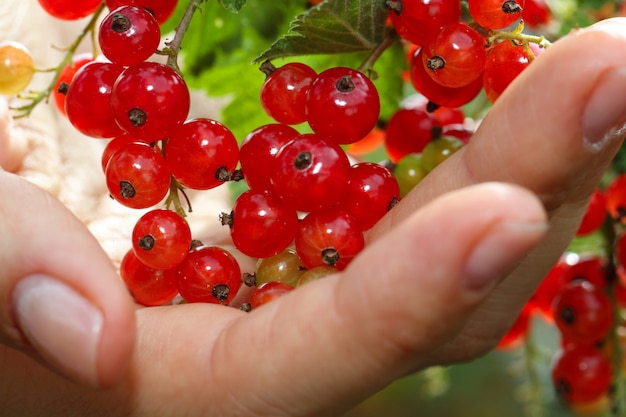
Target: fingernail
<point x="604" y="117"/>
<point x="60" y="324"/>
<point x="498" y="252"/>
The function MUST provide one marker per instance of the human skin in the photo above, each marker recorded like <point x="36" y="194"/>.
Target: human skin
<point x="444" y="274"/>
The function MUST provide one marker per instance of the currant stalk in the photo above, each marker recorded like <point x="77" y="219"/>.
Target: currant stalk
<point x="173" y="47"/>
<point x="517" y="35"/>
<point x="34" y="97"/>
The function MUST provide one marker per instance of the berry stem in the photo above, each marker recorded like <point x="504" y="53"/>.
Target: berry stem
<point x="368" y="64"/>
<point x="174" y="198"/>
<point x="173" y="47"/>
<point x="36" y="97"/>
<point x="517" y="35"/>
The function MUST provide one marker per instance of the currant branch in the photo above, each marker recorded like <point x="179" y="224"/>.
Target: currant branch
<point x="34" y="97"/>
<point x="368" y="64"/>
<point x="173" y="47"/>
<point x="518" y="35"/>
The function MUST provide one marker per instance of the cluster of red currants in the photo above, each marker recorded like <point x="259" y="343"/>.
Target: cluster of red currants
<point x="584" y="296"/>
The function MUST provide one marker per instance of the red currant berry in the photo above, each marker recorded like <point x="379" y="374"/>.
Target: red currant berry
<point x="202" y="153"/>
<point x="150" y="287"/>
<point x="209" y="274"/>
<point x="258" y="150"/>
<point x="615" y="195"/>
<point x="267" y="292"/>
<point x="149" y="100"/>
<point x="113" y="146"/>
<point x="594" y="215"/>
<point x="328" y="237"/>
<point x="620" y="250"/>
<point x="437" y="93"/>
<point x="160" y="9"/>
<point x="420" y="20"/>
<point x="536" y="13"/>
<point x="129" y="35"/>
<point x="457" y="56"/>
<point x="65" y="79"/>
<point x="372" y="191"/>
<point x="504" y="63"/>
<point x="310" y="173"/>
<point x="495" y="14"/>
<point x="408" y="131"/>
<point x="284" y="93"/>
<point x="161" y="239"/>
<point x="70" y="9"/>
<point x="583" y="313"/>
<point x="342" y="104"/>
<point x="581" y="374"/>
<point x="261" y="224"/>
<point x="137" y="176"/>
<point x="88" y="100"/>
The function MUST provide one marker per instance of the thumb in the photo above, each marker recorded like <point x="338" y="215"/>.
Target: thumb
<point x="61" y="301"/>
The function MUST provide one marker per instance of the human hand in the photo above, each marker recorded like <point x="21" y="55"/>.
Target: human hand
<point x="426" y="290"/>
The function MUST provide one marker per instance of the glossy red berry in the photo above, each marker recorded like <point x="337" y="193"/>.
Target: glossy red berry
<point x="420" y="20"/>
<point x="536" y="13"/>
<point x="581" y="374"/>
<point x="137" y="176"/>
<point x="160" y="9"/>
<point x="594" y="214"/>
<point x="284" y="92"/>
<point x="328" y="237"/>
<point x="209" y="274"/>
<point x="342" y="104"/>
<point x="583" y="313"/>
<point x="310" y="173"/>
<point x="161" y="239"/>
<point x="88" y="100"/>
<point x="261" y="224"/>
<point x="258" y="150"/>
<point x="149" y="100"/>
<point x="372" y="191"/>
<point x="65" y="79"/>
<point x="456" y="57"/>
<point x="150" y="287"/>
<point x="69" y="9"/>
<point x="505" y="61"/>
<point x="129" y="35"/>
<point x="202" y="153"/>
<point x="615" y="195"/>
<point x="408" y="131"/>
<point x="268" y="292"/>
<point x="495" y="14"/>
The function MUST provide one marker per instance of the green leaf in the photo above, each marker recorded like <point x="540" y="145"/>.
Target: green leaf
<point x="233" y="5"/>
<point x="334" y="26"/>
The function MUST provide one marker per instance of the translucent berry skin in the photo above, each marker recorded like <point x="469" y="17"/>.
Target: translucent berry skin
<point x="437" y="93"/>
<point x="258" y="150"/>
<point x="342" y="104"/>
<point x="462" y="52"/>
<point x="137" y="176"/>
<point x="408" y="131"/>
<point x="284" y="92"/>
<point x="268" y="292"/>
<point x="595" y="214"/>
<point x="149" y="287"/>
<point x="581" y="374"/>
<point x="262" y="224"/>
<point x="67" y="75"/>
<point x="409" y="171"/>
<point x="129" y="35"/>
<point x="113" y="146"/>
<point x="91" y="88"/>
<point x="161" y="239"/>
<point x="310" y="173"/>
<point x="536" y="13"/>
<point x="284" y="267"/>
<point x="495" y="14"/>
<point x="69" y="9"/>
<point x="504" y="63"/>
<point x="616" y="198"/>
<point x="438" y="150"/>
<point x="160" y="9"/>
<point x="372" y="191"/>
<point x="199" y="151"/>
<point x="328" y="237"/>
<point x="16" y="68"/>
<point x="209" y="274"/>
<point x="419" y="20"/>
<point x="149" y="100"/>
<point x="583" y="313"/>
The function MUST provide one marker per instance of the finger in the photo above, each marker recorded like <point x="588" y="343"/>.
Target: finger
<point x="554" y="131"/>
<point x="65" y="305"/>
<point x="331" y="344"/>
